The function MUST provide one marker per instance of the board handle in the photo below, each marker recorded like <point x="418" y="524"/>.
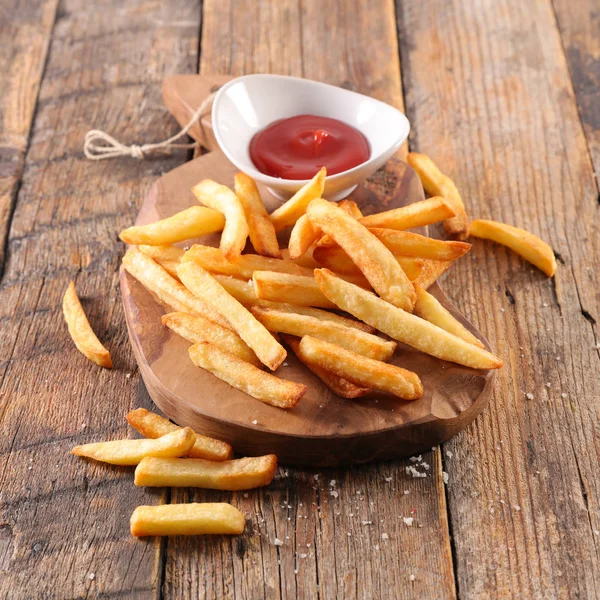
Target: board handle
<point x="183" y="94"/>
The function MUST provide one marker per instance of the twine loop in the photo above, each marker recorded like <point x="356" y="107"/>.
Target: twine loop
<point x="99" y="145"/>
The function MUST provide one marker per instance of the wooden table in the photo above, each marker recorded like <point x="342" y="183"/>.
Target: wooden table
<point x="504" y="95"/>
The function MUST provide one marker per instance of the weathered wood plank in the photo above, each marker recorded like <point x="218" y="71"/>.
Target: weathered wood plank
<point x="63" y="519"/>
<point x="579" y="24"/>
<point x="334" y="545"/>
<point x="490" y="99"/>
<point x="25" y="33"/>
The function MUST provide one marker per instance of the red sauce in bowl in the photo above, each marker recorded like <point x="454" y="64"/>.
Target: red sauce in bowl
<point x="296" y="148"/>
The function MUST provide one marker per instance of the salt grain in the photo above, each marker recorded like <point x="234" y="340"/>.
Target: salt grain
<point x="529" y="396"/>
<point x="388" y="479"/>
<point x="408" y="521"/>
<point x="449" y="453"/>
<point x="255" y="422"/>
<point x="332" y="483"/>
<point x="445" y="477"/>
<point x="92" y="576"/>
<point x="278" y="542"/>
<point x="517" y="507"/>
<point x="385" y="536"/>
<point x="303" y="555"/>
<point x="563" y="395"/>
<point x="333" y="493"/>
<point x="406" y="492"/>
<point x="412" y="577"/>
<point x="285" y="364"/>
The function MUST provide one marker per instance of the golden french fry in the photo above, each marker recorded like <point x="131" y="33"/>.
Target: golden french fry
<point x="306" y="260"/>
<point x="230" y="475"/>
<point x="222" y="199"/>
<point x="289" y="212"/>
<point x="349" y="207"/>
<point x="367" y="344"/>
<point x="403" y="326"/>
<point x="163" y="253"/>
<point x="246" y="377"/>
<point x="261" y="229"/>
<point x="438" y="184"/>
<point x="360" y="370"/>
<point x="304" y="235"/>
<point x="198" y="329"/>
<point x="527" y="245"/>
<point x="317" y="313"/>
<point x="131" y="452"/>
<point x="338" y="385"/>
<point x="240" y="289"/>
<point x="431" y="271"/>
<point x="429" y="308"/>
<point x="153" y="426"/>
<point x="375" y="261"/>
<point x="405" y="243"/>
<point x="187" y="519"/>
<point x="168" y="290"/>
<point x="202" y="284"/>
<point x="81" y="331"/>
<point x="212" y="260"/>
<point x="335" y="259"/>
<point x="190" y="223"/>
<point x="418" y="214"/>
<point x="291" y="289"/>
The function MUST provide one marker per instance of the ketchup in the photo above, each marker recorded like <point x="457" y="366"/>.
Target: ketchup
<point x="296" y="148"/>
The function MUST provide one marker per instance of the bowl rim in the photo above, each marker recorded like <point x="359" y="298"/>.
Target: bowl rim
<point x="277" y="181"/>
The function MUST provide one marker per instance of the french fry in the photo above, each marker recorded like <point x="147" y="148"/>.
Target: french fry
<point x="429" y="308"/>
<point x="190" y="223"/>
<point x="153" y="426"/>
<point x="261" y="229"/>
<point x="289" y="212"/>
<point x="338" y="385"/>
<point x="246" y="377"/>
<point x="203" y="285"/>
<point x="438" y="184"/>
<point x="306" y="260"/>
<point x="349" y="207"/>
<point x="167" y="257"/>
<point x="405" y="243"/>
<point x="222" y="199"/>
<point x="431" y="271"/>
<point x="290" y="289"/>
<point x="212" y="260"/>
<point x="527" y="245"/>
<point x="362" y="371"/>
<point x="199" y="329"/>
<point x="375" y="261"/>
<point x="240" y="289"/>
<point x="187" y="519"/>
<point x="403" y="326"/>
<point x="81" y="331"/>
<point x="317" y="313"/>
<point x="367" y="344"/>
<point x="417" y="214"/>
<point x="131" y="452"/>
<point x="229" y="475"/>
<point x="304" y="235"/>
<point x="168" y="290"/>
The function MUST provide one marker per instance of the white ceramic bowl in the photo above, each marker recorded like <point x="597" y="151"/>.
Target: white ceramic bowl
<point x="245" y="105"/>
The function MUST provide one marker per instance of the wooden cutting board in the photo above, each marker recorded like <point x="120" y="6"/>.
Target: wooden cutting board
<point x="323" y="429"/>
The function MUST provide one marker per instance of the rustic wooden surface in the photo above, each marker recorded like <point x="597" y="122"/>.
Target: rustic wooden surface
<point x="504" y="95"/>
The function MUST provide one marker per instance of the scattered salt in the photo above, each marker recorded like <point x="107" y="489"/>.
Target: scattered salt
<point x="316" y="476"/>
<point x="366" y="522"/>
<point x="332" y="483"/>
<point x="406" y="492"/>
<point x="408" y="521"/>
<point x="388" y="479"/>
<point x="303" y="555"/>
<point x="333" y="493"/>
<point x="410" y="470"/>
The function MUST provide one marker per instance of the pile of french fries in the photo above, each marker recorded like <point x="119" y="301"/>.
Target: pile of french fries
<point x="171" y="456"/>
<point x="340" y="297"/>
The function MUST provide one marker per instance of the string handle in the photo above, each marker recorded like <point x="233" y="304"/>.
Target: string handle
<point x="99" y="145"/>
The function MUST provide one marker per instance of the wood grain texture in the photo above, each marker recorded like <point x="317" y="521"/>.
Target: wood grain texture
<point x="328" y="43"/>
<point x="495" y="109"/>
<point x="25" y="34"/>
<point x="323" y="429"/>
<point x="63" y="519"/>
<point x="579" y="24"/>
